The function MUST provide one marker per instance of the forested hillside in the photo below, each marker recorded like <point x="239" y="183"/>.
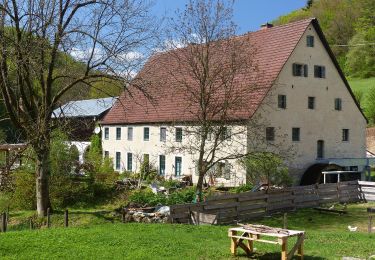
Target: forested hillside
<point x="349" y="26"/>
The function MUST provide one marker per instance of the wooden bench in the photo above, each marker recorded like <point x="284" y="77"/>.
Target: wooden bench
<point x="252" y="233"/>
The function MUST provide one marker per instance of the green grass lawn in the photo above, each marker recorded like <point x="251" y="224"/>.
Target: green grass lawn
<point x="362" y="84"/>
<point x="97" y="235"/>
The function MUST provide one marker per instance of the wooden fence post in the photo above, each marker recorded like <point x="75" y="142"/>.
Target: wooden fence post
<point x="123" y="215"/>
<point x="7" y="215"/>
<point x="285" y="220"/>
<point x="31" y="224"/>
<point x="4" y="222"/>
<point x="48" y="217"/>
<point x="369" y="223"/>
<point x="66" y="218"/>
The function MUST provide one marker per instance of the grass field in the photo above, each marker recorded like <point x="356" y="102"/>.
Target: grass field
<point x="362" y="84"/>
<point x="327" y="238"/>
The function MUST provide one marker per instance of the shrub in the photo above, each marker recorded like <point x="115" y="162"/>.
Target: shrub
<point x="242" y="188"/>
<point x="24" y="196"/>
<point x="147" y="198"/>
<point x="66" y="191"/>
<point x="186" y="195"/>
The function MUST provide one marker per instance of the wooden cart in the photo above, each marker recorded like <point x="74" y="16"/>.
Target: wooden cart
<point x="251" y="233"/>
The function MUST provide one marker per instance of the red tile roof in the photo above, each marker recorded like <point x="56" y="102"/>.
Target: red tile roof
<point x="270" y="49"/>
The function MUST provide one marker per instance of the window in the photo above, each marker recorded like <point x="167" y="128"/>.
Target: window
<point x="162" y="165"/>
<point x="106" y="154"/>
<point x="146" y="134"/>
<point x="106" y="133"/>
<point x="345" y="135"/>
<point x="270" y="133"/>
<point x="295" y="134"/>
<point x="320" y="149"/>
<point x="177" y="166"/>
<point x="178" y="134"/>
<point x="209" y="135"/>
<point x="300" y="70"/>
<point x="310" y="41"/>
<point x="338" y="104"/>
<point x="225" y="134"/>
<point x="282" y="101"/>
<point x="222" y="169"/>
<point x="118" y="160"/>
<point x="311" y="103"/>
<point x="319" y="71"/>
<point x="118" y="133"/>
<point x="130" y="133"/>
<point x="163" y="134"/>
<point x="146" y="163"/>
<point x="130" y="162"/>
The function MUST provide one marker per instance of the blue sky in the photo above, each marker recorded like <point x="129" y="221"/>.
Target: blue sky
<point x="248" y="14"/>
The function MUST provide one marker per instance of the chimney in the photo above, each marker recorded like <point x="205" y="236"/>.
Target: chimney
<point x="266" y="25"/>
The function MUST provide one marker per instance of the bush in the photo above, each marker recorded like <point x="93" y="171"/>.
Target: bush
<point x="24" y="196"/>
<point x="242" y="188"/>
<point x="147" y="198"/>
<point x="186" y="195"/>
<point x="66" y="191"/>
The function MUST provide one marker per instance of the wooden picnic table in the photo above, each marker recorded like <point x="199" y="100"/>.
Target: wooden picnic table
<point x="251" y="233"/>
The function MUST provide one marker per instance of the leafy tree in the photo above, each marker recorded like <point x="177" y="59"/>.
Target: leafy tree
<point x="370" y="105"/>
<point x="35" y="78"/>
<point x="361" y="55"/>
<point x="267" y="168"/>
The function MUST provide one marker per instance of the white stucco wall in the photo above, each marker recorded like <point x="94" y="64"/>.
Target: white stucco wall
<point x="170" y="148"/>
<point x="323" y="122"/>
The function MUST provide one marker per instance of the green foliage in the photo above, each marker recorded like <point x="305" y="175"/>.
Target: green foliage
<point x="361" y="56"/>
<point x="293" y="16"/>
<point x="268" y="168"/>
<point x="24" y="195"/>
<point x="370" y="105"/>
<point x="358" y="94"/>
<point x="344" y="22"/>
<point x="60" y="154"/>
<point x="147" y="197"/>
<point x="242" y="188"/>
<point x="186" y="195"/>
<point x="170" y="183"/>
<point x="5" y="200"/>
<point x="66" y="191"/>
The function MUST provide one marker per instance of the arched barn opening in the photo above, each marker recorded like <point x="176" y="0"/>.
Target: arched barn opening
<point x="313" y="174"/>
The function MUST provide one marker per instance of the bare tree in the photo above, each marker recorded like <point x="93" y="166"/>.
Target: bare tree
<point x="40" y="43"/>
<point x="208" y="71"/>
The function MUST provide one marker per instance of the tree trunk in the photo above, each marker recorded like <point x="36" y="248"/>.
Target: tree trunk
<point x="200" y="183"/>
<point x="42" y="187"/>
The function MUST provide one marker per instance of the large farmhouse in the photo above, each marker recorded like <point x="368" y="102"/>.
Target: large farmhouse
<point x="301" y="98"/>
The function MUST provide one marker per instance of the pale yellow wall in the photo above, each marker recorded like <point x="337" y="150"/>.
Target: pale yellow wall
<point x="324" y="122"/>
<point x="154" y="147"/>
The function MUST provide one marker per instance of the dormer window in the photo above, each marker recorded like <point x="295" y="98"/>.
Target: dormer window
<point x="310" y="41"/>
<point x="300" y="70"/>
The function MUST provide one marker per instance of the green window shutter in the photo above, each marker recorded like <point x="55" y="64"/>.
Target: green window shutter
<point x="294" y="69"/>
